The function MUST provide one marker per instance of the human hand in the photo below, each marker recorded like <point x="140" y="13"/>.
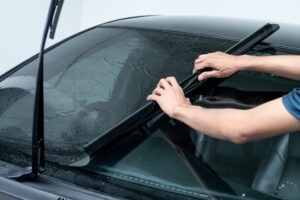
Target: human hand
<point x="169" y="95"/>
<point x="222" y="64"/>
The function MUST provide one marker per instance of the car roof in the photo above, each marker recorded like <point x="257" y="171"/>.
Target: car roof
<point x="221" y="27"/>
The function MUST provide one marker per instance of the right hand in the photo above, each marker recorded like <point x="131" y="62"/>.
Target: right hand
<point x="169" y="95"/>
<point x="222" y="65"/>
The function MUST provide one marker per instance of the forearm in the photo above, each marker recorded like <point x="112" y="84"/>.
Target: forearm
<point x="285" y="65"/>
<point x="224" y="124"/>
<point x="239" y="126"/>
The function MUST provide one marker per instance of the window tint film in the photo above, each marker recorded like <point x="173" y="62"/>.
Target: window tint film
<point x="91" y="82"/>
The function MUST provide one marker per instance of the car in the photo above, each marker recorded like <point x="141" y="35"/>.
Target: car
<point x="96" y="83"/>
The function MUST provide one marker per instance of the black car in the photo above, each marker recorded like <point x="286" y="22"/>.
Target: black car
<point x="99" y="79"/>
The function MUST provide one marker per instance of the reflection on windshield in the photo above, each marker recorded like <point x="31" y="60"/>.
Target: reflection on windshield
<point x="146" y="158"/>
<point x="91" y="82"/>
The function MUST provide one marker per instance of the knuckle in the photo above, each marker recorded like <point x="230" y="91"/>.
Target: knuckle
<point x="170" y="78"/>
<point x="197" y="65"/>
<point x="165" y="81"/>
<point x="201" y="67"/>
<point x="207" y="63"/>
<point x="212" y="64"/>
<point x="202" y="56"/>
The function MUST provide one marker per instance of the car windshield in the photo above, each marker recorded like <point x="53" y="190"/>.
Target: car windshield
<point x="97" y="78"/>
<point x="168" y="155"/>
<point x="92" y="81"/>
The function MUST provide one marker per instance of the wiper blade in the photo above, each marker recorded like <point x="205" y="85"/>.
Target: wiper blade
<point x="38" y="153"/>
<point x="151" y="109"/>
<point x="239" y="48"/>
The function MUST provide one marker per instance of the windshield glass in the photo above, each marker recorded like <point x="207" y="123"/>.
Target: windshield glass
<point x="92" y="81"/>
<point x="168" y="155"/>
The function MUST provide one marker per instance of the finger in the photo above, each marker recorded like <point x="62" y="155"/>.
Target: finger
<point x="163" y="83"/>
<point x="173" y="81"/>
<point x="200" y="66"/>
<point x="199" y="60"/>
<point x="168" y="80"/>
<point x="152" y="97"/>
<point x="206" y="75"/>
<point x="158" y="91"/>
<point x="201" y="56"/>
<point x="219" y="53"/>
<point x="188" y="100"/>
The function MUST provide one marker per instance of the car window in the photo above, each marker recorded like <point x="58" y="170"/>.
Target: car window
<point x="92" y="81"/>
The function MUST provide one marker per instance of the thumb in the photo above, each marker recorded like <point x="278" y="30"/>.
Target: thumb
<point x="206" y="75"/>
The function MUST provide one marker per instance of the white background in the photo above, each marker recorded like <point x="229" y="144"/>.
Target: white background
<point x="22" y="21"/>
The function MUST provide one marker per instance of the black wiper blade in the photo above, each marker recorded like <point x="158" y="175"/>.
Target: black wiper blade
<point x="151" y="109"/>
<point x="38" y="153"/>
<point x="239" y="48"/>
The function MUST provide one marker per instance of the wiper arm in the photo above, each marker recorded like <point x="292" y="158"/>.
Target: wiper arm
<point x="38" y="153"/>
<point x="151" y="109"/>
<point x="54" y="22"/>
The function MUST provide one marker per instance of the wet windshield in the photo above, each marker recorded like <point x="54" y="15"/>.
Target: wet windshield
<point x="93" y="81"/>
<point x="168" y="155"/>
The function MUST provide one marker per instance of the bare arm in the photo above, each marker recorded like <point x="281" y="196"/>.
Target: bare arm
<point x="225" y="65"/>
<point x="236" y="125"/>
<point x="239" y="126"/>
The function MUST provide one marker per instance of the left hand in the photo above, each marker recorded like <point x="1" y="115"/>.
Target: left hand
<point x="169" y="95"/>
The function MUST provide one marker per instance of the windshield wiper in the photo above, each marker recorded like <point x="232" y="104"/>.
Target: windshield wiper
<point x="239" y="48"/>
<point x="151" y="109"/>
<point x="38" y="153"/>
